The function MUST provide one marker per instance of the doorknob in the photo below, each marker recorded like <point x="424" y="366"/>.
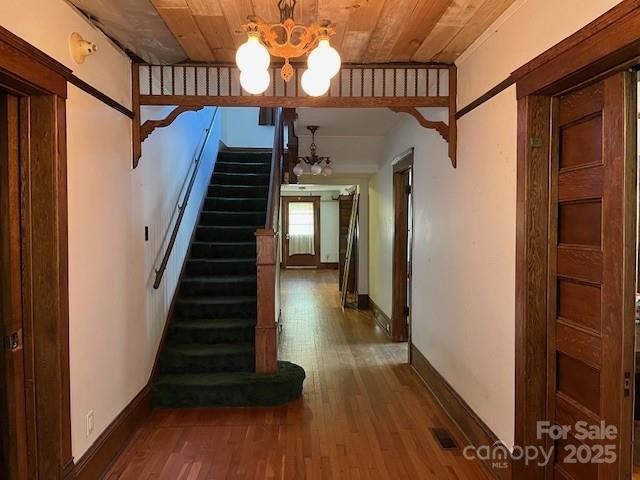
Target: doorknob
<point x="287" y="236"/>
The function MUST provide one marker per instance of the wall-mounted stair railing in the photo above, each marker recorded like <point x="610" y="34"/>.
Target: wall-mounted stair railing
<point x="181" y="205"/>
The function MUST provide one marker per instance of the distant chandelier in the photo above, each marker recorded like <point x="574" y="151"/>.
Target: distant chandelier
<point x="287" y="40"/>
<point x="314" y="161"/>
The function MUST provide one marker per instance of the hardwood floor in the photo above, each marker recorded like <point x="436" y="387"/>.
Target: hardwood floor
<point x="364" y="413"/>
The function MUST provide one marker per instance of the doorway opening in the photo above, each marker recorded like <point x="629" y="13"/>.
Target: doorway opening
<point x="315" y="225"/>
<point x="35" y="425"/>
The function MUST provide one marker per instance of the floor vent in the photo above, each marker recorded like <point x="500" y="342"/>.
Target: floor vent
<point x="444" y="438"/>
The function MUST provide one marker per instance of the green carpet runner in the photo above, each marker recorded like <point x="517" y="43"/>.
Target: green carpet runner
<point x="208" y="357"/>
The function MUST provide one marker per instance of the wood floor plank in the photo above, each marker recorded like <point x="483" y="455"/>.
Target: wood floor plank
<point x="364" y="413"/>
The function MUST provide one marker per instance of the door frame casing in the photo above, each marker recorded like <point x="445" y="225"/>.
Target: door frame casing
<point x="400" y="328"/>
<point x="41" y="82"/>
<point x="286" y="200"/>
<point x="608" y="45"/>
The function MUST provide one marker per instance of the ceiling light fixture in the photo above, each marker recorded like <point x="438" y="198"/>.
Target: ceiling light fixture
<point x="314" y="161"/>
<point x="287" y="40"/>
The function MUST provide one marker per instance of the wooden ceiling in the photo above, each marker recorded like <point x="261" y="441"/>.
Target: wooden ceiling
<point x="367" y="31"/>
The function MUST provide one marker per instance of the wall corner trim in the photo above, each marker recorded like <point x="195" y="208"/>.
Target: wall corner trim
<point x="470" y="424"/>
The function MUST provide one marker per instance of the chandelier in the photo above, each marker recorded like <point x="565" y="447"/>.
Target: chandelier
<point x="314" y="161"/>
<point x="287" y="40"/>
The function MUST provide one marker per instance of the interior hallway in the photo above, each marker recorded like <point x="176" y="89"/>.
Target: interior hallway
<point x="364" y="413"/>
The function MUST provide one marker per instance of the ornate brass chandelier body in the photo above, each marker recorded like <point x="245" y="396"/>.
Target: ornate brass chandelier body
<point x="288" y="39"/>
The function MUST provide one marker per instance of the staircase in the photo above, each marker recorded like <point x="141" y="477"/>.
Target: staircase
<point x="208" y="358"/>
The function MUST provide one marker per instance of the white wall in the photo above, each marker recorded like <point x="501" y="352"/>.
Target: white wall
<point x="349" y="155"/>
<point x="240" y="128"/>
<point x="115" y="317"/>
<point x="464" y="248"/>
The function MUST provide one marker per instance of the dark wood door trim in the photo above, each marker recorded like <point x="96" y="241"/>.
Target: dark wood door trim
<point x="400" y="272"/>
<point x="609" y="44"/>
<point x="41" y="84"/>
<point x="285" y="227"/>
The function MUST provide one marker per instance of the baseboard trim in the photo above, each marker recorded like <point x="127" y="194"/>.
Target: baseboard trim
<point x="108" y="446"/>
<point x="472" y="427"/>
<point x="381" y="318"/>
<point x="328" y="266"/>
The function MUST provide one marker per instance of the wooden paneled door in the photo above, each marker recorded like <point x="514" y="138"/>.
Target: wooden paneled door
<point x="13" y="418"/>
<point x="290" y="256"/>
<point x="591" y="275"/>
<point x="402" y="241"/>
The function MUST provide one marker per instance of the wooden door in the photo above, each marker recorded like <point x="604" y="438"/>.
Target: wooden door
<point x="13" y="425"/>
<point x="401" y="291"/>
<point x="292" y="255"/>
<point x="591" y="272"/>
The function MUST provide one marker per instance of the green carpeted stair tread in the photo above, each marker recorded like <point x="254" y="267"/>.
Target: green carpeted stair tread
<point x="218" y="285"/>
<point x="212" y="331"/>
<point x="218" y="279"/>
<point x="285" y="371"/>
<point x="204" y="349"/>
<point x="230" y="218"/>
<point x="214" y="324"/>
<point x="226" y="178"/>
<point x="207" y="358"/>
<point x="242" y="167"/>
<point x="218" y="233"/>
<point x="240" y="299"/>
<point x="237" y="191"/>
<point x="236" y="204"/>
<point x="221" y="266"/>
<point x="229" y="389"/>
<point x="221" y="250"/>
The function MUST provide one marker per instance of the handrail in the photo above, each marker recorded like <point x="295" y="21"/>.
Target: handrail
<point x="273" y="204"/>
<point x="181" y="208"/>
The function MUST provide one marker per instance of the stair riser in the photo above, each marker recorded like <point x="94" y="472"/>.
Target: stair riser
<point x="189" y="310"/>
<point x="241" y="179"/>
<point x="204" y="250"/>
<point x="231" y="219"/>
<point x="244" y="157"/>
<point x="195" y="288"/>
<point x="204" y="234"/>
<point x="208" y="335"/>
<point x="163" y="396"/>
<point x="201" y="268"/>
<point x="222" y="167"/>
<point x="236" y="205"/>
<point x="251" y="191"/>
<point x="170" y="363"/>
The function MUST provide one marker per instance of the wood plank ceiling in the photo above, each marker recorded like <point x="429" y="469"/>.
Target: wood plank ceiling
<point x="367" y="31"/>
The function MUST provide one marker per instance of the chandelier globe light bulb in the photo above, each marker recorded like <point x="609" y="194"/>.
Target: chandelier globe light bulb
<point x="315" y="83"/>
<point x="324" y="59"/>
<point x="255" y="82"/>
<point x="252" y="55"/>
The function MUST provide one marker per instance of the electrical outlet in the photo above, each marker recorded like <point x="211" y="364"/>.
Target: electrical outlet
<point x="89" y="423"/>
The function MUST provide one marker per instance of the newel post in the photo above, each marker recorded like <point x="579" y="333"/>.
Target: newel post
<point x="266" y="263"/>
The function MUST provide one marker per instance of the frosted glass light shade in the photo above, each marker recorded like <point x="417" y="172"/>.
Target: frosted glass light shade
<point x="315" y="83"/>
<point x="316" y="169"/>
<point x="327" y="170"/>
<point x="255" y="81"/>
<point x="324" y="58"/>
<point x="298" y="170"/>
<point x="252" y="55"/>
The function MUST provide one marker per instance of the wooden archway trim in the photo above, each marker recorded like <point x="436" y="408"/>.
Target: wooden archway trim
<point x="149" y="126"/>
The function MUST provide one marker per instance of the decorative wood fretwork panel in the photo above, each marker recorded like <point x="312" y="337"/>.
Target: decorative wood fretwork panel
<point x="376" y="85"/>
